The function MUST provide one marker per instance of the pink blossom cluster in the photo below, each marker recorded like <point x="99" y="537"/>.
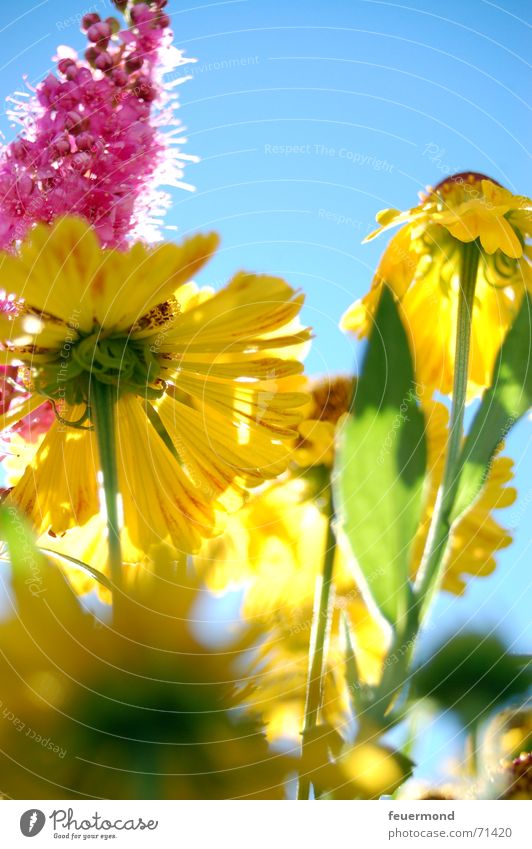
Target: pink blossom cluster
<point x="91" y="142"/>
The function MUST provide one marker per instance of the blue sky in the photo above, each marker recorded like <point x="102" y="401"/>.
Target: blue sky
<point x="309" y="118"/>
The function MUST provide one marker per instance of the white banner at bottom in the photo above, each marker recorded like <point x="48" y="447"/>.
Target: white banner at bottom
<point x="263" y="825"/>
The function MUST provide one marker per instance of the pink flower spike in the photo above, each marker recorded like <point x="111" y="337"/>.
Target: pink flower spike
<point x="99" y="137"/>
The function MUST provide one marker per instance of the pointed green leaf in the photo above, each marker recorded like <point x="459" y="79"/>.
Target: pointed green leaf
<point x="14" y="531"/>
<point x="380" y="466"/>
<point x="503" y="404"/>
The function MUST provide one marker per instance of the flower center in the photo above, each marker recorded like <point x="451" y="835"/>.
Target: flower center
<point x="331" y="398"/>
<point x="454" y="190"/>
<point x="463" y="177"/>
<point x="117" y="360"/>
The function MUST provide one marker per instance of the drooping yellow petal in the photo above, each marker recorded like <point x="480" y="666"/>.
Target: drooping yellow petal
<point x="59" y="488"/>
<point x="477" y="536"/>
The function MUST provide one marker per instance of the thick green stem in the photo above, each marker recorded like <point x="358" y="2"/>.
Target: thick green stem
<point x="102" y="404"/>
<point x="320" y="629"/>
<point x="431" y="567"/>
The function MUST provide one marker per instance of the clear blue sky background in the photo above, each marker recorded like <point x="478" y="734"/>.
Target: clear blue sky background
<point x="381" y="98"/>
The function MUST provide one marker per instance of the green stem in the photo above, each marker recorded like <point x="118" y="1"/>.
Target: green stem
<point x="102" y="404"/>
<point x="314" y="695"/>
<point x="399" y="659"/>
<point x="431" y="567"/>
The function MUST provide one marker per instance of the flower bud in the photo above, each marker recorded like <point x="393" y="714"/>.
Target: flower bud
<point x="64" y="64"/>
<point x="85" y="141"/>
<point x="90" y="55"/>
<point x="73" y="122"/>
<point x="145" y="90"/>
<point x="162" y="21"/>
<point x="89" y="20"/>
<point x="140" y="12"/>
<point x="113" y="25"/>
<point x="100" y="32"/>
<point x="134" y="63"/>
<point x="61" y="146"/>
<point x="119" y="77"/>
<point x="104" y="61"/>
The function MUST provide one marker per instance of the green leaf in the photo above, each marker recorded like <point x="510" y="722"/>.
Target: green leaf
<point x="380" y="466"/>
<point x="503" y="404"/>
<point x="23" y="553"/>
<point x="472" y="674"/>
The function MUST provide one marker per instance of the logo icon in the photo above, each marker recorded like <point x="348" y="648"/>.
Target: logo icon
<point x="32" y="822"/>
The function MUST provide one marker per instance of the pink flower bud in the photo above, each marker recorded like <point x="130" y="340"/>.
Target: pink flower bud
<point x="85" y="141"/>
<point x="64" y="64"/>
<point x="134" y="63"/>
<point x="144" y="89"/>
<point x="90" y="55"/>
<point x="104" y="61"/>
<point x="61" y="146"/>
<point x="73" y="121"/>
<point x="50" y="85"/>
<point x="139" y="13"/>
<point x="99" y="32"/>
<point x="162" y="21"/>
<point x="119" y="77"/>
<point x="89" y="20"/>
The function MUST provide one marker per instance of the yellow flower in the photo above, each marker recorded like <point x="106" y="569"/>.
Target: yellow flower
<point x="273" y="550"/>
<point x="329" y="400"/>
<point x="476" y="536"/>
<point x="202" y="409"/>
<point x="134" y="711"/>
<point x="421" y="265"/>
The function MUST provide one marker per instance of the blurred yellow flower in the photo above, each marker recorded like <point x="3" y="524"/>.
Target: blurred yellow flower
<point x="202" y="408"/>
<point x="421" y="265"/>
<point x="141" y="709"/>
<point x="329" y="400"/>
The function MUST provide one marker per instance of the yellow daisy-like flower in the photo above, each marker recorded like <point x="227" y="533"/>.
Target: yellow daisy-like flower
<point x="421" y="265"/>
<point x="273" y="549"/>
<point x="202" y="409"/>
